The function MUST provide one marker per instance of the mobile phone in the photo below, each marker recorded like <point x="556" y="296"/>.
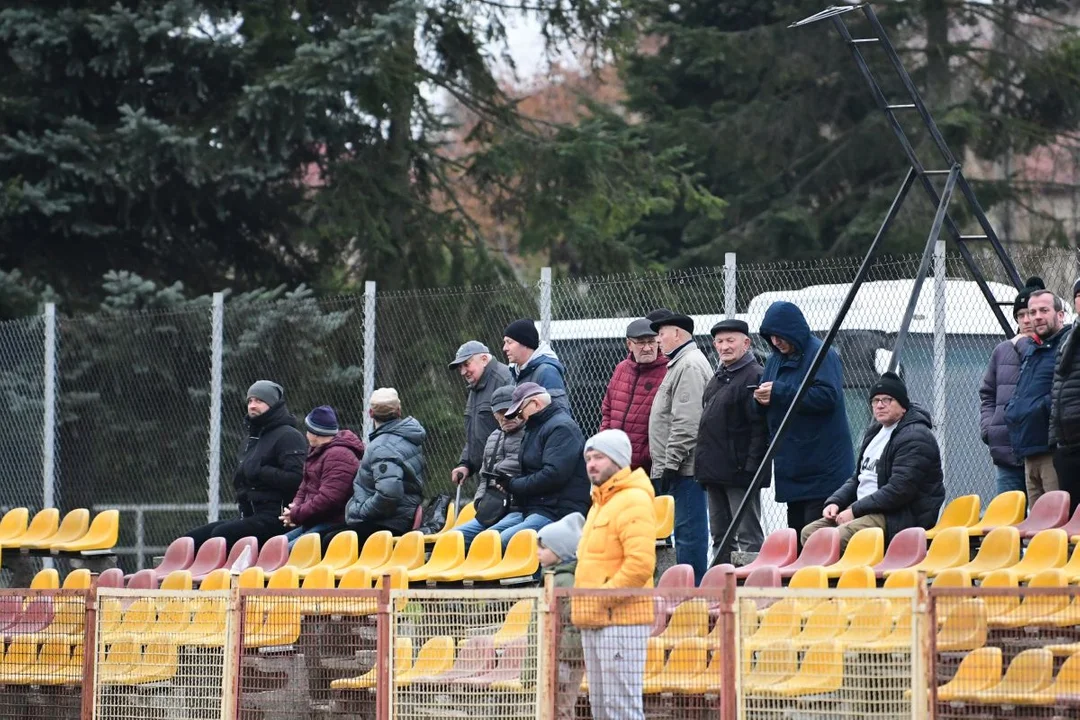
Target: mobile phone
<point x="752" y="387"/>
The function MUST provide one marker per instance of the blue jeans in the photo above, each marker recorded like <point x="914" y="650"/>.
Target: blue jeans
<point x="1010" y="478"/>
<point x="295" y="533"/>
<point x="691" y="525"/>
<point x="506" y="527"/>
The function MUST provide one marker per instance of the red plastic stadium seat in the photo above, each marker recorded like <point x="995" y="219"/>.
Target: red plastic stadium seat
<point x="716" y="577"/>
<point x="211" y="557"/>
<point x="1050" y="511"/>
<point x="10" y="609"/>
<point x="142" y="580"/>
<point x="779" y="549"/>
<point x="251" y="543"/>
<point x="111" y="578"/>
<point x="178" y="556"/>
<point x="1072" y="528"/>
<point x="274" y="554"/>
<point x="822" y="548"/>
<point x="511" y="663"/>
<point x="35" y="617"/>
<point x="908" y="548"/>
<point x="476" y="657"/>
<point x="764" y="577"/>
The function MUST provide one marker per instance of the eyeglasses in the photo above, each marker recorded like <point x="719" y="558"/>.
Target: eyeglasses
<point x="882" y="401"/>
<point x="643" y="343"/>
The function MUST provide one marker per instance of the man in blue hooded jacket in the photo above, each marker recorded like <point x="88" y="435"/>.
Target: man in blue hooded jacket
<point x="816" y="456"/>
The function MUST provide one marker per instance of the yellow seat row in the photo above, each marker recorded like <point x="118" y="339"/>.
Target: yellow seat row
<point x="57" y="662"/>
<point x="76" y="533"/>
<point x="1008" y="508"/>
<point x="1029" y="679"/>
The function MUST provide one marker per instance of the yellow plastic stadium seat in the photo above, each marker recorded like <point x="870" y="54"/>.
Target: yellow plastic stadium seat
<point x="47" y="579"/>
<point x="436" y="656"/>
<point x="119" y="659"/>
<point x="822" y="671"/>
<point x="870" y="623"/>
<point x="158" y="664"/>
<point x="664" y="506"/>
<point x="1001" y="604"/>
<point x="1048" y="549"/>
<point x="1072" y="568"/>
<point x="899" y="639"/>
<point x="706" y="682"/>
<point x="1008" y="508"/>
<point x="687" y="659"/>
<point x="399" y="578"/>
<point x="357" y="578"/>
<point x="102" y="535"/>
<point x="961" y="512"/>
<point x="220" y="579"/>
<point x="485" y="552"/>
<point x="448" y="553"/>
<point x="824" y="623"/>
<point x="689" y="620"/>
<point x="177" y="580"/>
<point x="281" y="626"/>
<point x="949" y="549"/>
<point x="468" y="513"/>
<point x="1033" y="608"/>
<point x="110" y="612"/>
<point x="341" y="553"/>
<point x="13" y="524"/>
<point x="1067" y="617"/>
<point x="402" y="663"/>
<point x="857" y="578"/>
<point x="965" y="628"/>
<point x="866" y="547"/>
<point x="69" y="622"/>
<point x="320" y="577"/>
<point x="307" y="552"/>
<point x="43" y="524"/>
<point x="284" y="578"/>
<point x="207" y="627"/>
<point x="408" y="553"/>
<point x="72" y="527"/>
<point x="775" y="663"/>
<point x="135" y="623"/>
<point x="20" y="656"/>
<point x="252" y="578"/>
<point x="447" y="526"/>
<point x="903" y="580"/>
<point x="1066" y="684"/>
<point x="173" y="620"/>
<point x="1029" y="672"/>
<point x="978" y="671"/>
<point x="952" y="578"/>
<point x="780" y="621"/>
<point x="79" y="579"/>
<point x="58" y="664"/>
<point x="516" y="624"/>
<point x="999" y="549"/>
<point x="811" y="577"/>
<point x="522" y="560"/>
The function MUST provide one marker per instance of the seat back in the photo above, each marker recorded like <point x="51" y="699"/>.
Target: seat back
<point x="908" y="547"/>
<point x="284" y="578"/>
<point x="468" y="513"/>
<point x="961" y="512"/>
<point x="485" y="552"/>
<point x="1029" y="671"/>
<point x="822" y="548"/>
<point x="516" y="624"/>
<point x="903" y="579"/>
<point x="965" y="627"/>
<point x="810" y="577"/>
<point x="979" y="669"/>
<point x="377" y="549"/>
<point x="72" y="527"/>
<point x="716" y="576"/>
<point x="306" y="552"/>
<point x="42" y="525"/>
<point x="178" y="556"/>
<point x="111" y="578"/>
<point x="342" y="551"/>
<point x="866" y="547"/>
<point x="1047" y="549"/>
<point x="142" y="580"/>
<point x="664" y="507"/>
<point x="249" y="543"/>
<point x="321" y="577"/>
<point x="780" y="548"/>
<point x="448" y="552"/>
<point x="677" y="576"/>
<point x="1006" y="509"/>
<point x="1000" y="548"/>
<point x="274" y="553"/>
<point x="522" y="556"/>
<point x="47" y="579"/>
<point x="177" y="580"/>
<point x="1001" y="604"/>
<point x="79" y="579"/>
<point x="687" y="659"/>
<point x="355" y="578"/>
<point x="220" y="579"/>
<point x="103" y="533"/>
<point x="409" y="551"/>
<point x="14" y="523"/>
<point x="949" y="548"/>
<point x="689" y="619"/>
<point x="857" y="578"/>
<point x="252" y="578"/>
<point x="211" y="556"/>
<point x="825" y="663"/>
<point x="1050" y="510"/>
<point x="776" y="662"/>
<point x="765" y="576"/>
<point x="1067" y="681"/>
<point x="436" y="656"/>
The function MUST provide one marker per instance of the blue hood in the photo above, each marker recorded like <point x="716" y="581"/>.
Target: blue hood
<point x="787" y="321"/>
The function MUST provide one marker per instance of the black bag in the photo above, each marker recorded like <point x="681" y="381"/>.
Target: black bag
<point x="434" y="518"/>
<point x="495" y="502"/>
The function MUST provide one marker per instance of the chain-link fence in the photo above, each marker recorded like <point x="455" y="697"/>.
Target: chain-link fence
<point x="147" y="408"/>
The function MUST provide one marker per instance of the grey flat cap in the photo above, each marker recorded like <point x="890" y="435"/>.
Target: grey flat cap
<point x="466" y="351"/>
<point x="640" y="328"/>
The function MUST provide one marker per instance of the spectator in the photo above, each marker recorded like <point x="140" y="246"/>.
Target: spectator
<point x="535" y="362"/>
<point x="815" y="456"/>
<point x="1028" y="412"/>
<point x="483" y="375"/>
<point x="1065" y="413"/>
<point x="558" y="557"/>
<point x="502" y="452"/>
<point x="673" y="434"/>
<point x="899" y="482"/>
<point x="552" y="483"/>
<point x="617" y="552"/>
<point x="389" y="486"/>
<point x="998" y="385"/>
<point x="271" y="466"/>
<point x="732" y="438"/>
<point x="332" y="462"/>
<point x="630" y="392"/>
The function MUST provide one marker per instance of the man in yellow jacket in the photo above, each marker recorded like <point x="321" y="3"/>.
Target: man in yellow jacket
<point x="617" y="552"/>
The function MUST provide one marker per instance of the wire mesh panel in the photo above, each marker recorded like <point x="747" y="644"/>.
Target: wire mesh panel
<point x="830" y="654"/>
<point x="22" y="384"/>
<point x="308" y="652"/>
<point x="162" y="654"/>
<point x="1008" y="651"/>
<point x="42" y="668"/>
<point x="466" y="654"/>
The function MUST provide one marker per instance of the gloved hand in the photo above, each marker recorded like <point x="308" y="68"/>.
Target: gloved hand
<point x="667" y="480"/>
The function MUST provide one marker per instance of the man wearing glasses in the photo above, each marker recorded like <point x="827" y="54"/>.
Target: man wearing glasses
<point x="898" y="480"/>
<point x="630" y="392"/>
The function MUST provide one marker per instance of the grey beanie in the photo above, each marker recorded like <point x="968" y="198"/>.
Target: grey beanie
<point x="266" y="390"/>
<point x="613" y="443"/>
<point x="562" y="537"/>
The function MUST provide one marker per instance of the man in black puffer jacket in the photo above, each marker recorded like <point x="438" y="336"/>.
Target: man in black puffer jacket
<point x="898" y="481"/>
<point x="1065" y="412"/>
<point x="271" y="466"/>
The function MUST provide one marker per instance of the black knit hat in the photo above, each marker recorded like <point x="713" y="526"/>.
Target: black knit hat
<point x="890" y="384"/>
<point x="524" y="332"/>
<point x="1033" y="283"/>
<point x="1076" y="289"/>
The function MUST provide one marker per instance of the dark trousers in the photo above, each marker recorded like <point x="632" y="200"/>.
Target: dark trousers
<point x="363" y="531"/>
<point x="802" y="513"/>
<point x="1067" y="466"/>
<point x="262" y="526"/>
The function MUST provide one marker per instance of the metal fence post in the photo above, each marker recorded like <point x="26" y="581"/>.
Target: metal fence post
<point x="384" y="652"/>
<point x="545" y="304"/>
<point x="213" y="472"/>
<point x="48" y="450"/>
<point x="90" y="653"/>
<point x="729" y="631"/>
<point x="369" y="351"/>
<point x="940" y="377"/>
<point x="548" y="676"/>
<point x="730" y="286"/>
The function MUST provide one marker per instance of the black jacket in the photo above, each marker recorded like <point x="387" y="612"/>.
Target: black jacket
<point x="271" y="462"/>
<point x="733" y="433"/>
<point x="1065" y="396"/>
<point x="911" y="488"/>
<point x="553" y="482"/>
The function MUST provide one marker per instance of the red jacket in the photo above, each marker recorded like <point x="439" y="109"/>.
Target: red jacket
<point x="628" y="401"/>
<point x="328" y="481"/>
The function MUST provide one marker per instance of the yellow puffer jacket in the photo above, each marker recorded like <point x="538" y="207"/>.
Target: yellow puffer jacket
<point x="617" y="550"/>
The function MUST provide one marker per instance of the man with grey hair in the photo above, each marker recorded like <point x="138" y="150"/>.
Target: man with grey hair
<point x="482" y="375"/>
<point x="271" y="466"/>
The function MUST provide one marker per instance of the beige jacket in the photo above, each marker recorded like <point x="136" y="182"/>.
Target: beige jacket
<point x="676" y="412"/>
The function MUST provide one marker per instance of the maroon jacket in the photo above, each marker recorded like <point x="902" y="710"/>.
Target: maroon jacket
<point x="328" y="481"/>
<point x="628" y="401"/>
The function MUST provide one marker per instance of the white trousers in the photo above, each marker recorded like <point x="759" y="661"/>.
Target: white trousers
<point x="615" y="665"/>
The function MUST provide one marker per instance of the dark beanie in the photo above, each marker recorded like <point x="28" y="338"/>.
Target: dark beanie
<point x="1033" y="283"/>
<point x="322" y="421"/>
<point x="1076" y="289"/>
<point x="524" y="332"/>
<point x="890" y="384"/>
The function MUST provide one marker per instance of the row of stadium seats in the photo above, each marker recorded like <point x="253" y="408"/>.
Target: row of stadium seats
<point x="46" y="532"/>
<point x="1029" y="680"/>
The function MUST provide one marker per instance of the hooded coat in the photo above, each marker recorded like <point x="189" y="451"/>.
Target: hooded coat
<point x="816" y="455"/>
<point x="995" y="392"/>
<point x="911" y="488"/>
<point x="389" y="485"/>
<point x="328" y="478"/>
<point x="546" y="370"/>
<point x="628" y="402"/>
<point x="271" y="462"/>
